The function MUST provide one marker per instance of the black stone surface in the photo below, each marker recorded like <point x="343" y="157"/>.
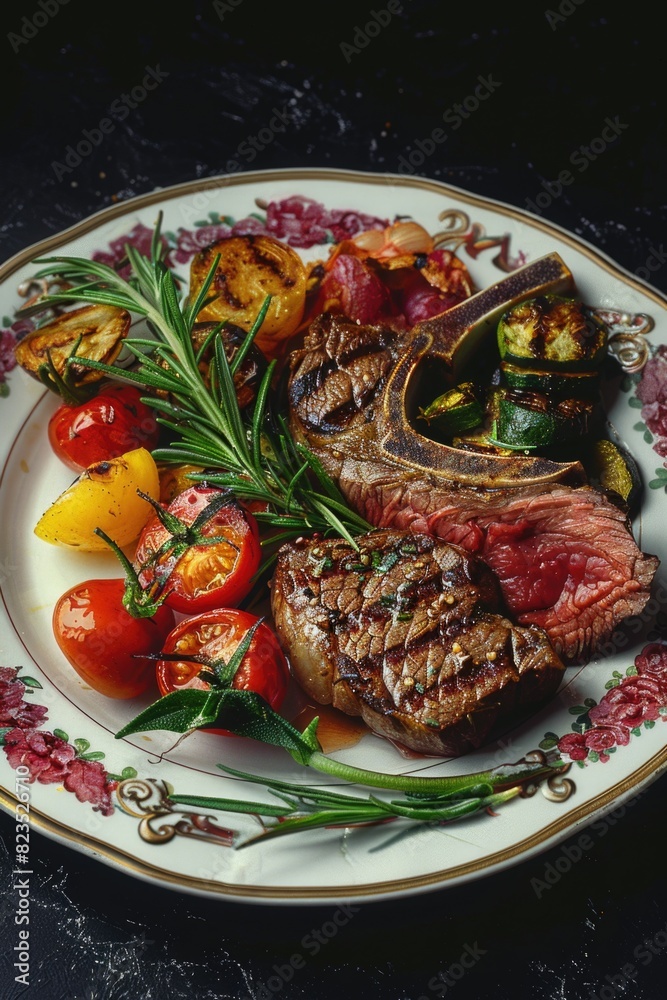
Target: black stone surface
<point x="362" y="99"/>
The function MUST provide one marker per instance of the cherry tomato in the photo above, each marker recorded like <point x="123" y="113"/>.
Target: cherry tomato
<point x="104" y="643"/>
<point x="112" y="423"/>
<point x="215" y="635"/>
<point x="174" y="480"/>
<point x="204" y="576"/>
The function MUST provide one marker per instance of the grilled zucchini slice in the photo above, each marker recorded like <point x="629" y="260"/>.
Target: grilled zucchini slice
<point x="556" y="385"/>
<point x="455" y="411"/>
<point x="531" y="420"/>
<point x="554" y="333"/>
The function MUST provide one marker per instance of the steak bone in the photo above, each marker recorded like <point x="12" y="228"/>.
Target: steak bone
<point x="453" y="337"/>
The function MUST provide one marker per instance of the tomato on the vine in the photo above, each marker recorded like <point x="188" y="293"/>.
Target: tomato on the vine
<point x="214" y="636"/>
<point x="200" y="552"/>
<point x="113" y="422"/>
<point x="104" y="643"/>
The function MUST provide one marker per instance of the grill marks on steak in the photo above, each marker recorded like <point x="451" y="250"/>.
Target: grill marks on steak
<point x="406" y="633"/>
<point x="340" y="376"/>
<point x="565" y="557"/>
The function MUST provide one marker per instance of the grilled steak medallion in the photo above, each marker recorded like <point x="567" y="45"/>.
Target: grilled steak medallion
<point x="564" y="555"/>
<point x="406" y="633"/>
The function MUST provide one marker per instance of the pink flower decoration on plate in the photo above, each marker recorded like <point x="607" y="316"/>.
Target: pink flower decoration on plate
<point x="574" y="745"/>
<point x="49" y="758"/>
<point x="189" y="242"/>
<point x="141" y="237"/>
<point x="637" y="699"/>
<point x="652" y="662"/>
<point x="14" y="711"/>
<point x="304" y="223"/>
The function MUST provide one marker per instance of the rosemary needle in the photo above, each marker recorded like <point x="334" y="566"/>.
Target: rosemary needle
<point x="251" y="453"/>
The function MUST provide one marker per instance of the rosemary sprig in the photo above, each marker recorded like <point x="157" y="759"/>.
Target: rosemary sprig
<point x="251" y="453"/>
<point x="307" y="808"/>
<point x="427" y="799"/>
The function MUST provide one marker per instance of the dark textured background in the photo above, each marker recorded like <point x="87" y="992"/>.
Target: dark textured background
<point x="558" y="74"/>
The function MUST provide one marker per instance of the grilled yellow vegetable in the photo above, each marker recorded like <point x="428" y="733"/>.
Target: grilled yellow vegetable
<point x="455" y="411"/>
<point x="614" y="469"/>
<point x="249" y="269"/>
<point x="95" y="332"/>
<point x="174" y="480"/>
<point x="104" y="496"/>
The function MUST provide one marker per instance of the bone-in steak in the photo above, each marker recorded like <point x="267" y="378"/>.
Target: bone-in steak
<point x="564" y="555"/>
<point x="407" y="633"/>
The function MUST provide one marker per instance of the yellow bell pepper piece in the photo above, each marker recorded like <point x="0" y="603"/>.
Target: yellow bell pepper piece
<point x="104" y="496"/>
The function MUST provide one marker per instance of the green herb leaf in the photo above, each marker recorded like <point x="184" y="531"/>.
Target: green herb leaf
<point x="247" y="714"/>
<point x="177" y="712"/>
<point x="30" y="682"/>
<point x="229" y="805"/>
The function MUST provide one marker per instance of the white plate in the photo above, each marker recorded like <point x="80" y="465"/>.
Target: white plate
<point x="191" y="854"/>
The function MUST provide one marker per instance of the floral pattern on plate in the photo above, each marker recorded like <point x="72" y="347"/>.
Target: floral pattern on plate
<point x="633" y="701"/>
<point x="49" y="756"/>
